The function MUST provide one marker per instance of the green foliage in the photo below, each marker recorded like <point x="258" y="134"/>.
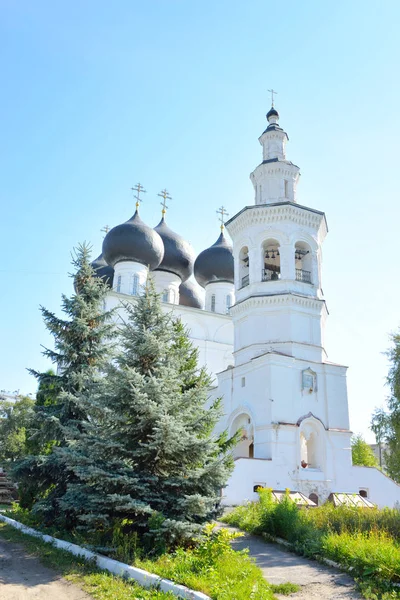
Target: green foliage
<point x="99" y="584"/>
<point x="81" y="349"/>
<point x="386" y="425"/>
<point x="153" y="460"/>
<point x="214" y="568"/>
<point x="15" y="422"/>
<point x="362" y="453"/>
<point x="368" y="540"/>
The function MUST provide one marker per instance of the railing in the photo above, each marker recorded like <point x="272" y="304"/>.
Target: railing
<point x="269" y="275"/>
<point x="245" y="281"/>
<point x="302" y="275"/>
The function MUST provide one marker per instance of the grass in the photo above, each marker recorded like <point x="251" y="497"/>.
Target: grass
<point x="100" y="584"/>
<point x="212" y="567"/>
<point x="365" y="540"/>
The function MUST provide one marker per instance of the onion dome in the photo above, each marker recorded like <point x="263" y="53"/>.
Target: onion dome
<point x="103" y="271"/>
<point x="190" y="295"/>
<point x="215" y="263"/>
<point x="178" y="253"/>
<point x="133" y="241"/>
<point x="272" y="113"/>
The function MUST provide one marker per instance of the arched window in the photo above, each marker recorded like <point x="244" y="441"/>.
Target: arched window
<point x="213" y="303"/>
<point x="303" y="262"/>
<point x="119" y="283"/>
<point x="314" y="498"/>
<point x="245" y="447"/>
<point x="135" y="285"/>
<point x="271" y="261"/>
<point x="363" y="493"/>
<point x="228" y="303"/>
<point x="164" y="296"/>
<point x="244" y="267"/>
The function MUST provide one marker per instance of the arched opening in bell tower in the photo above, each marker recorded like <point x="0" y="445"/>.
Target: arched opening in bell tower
<point x="245" y="447"/>
<point x="271" y="260"/>
<point x="303" y="262"/>
<point x="244" y="267"/>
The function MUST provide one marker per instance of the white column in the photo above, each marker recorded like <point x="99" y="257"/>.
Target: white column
<point x="288" y="269"/>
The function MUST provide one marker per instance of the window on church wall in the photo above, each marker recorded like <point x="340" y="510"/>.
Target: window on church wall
<point x="119" y="279"/>
<point x="213" y="303"/>
<point x="228" y="303"/>
<point x="244" y="264"/>
<point x="271" y="261"/>
<point x="164" y="296"/>
<point x="286" y="188"/>
<point x="135" y="285"/>
<point x="363" y="493"/>
<point x="303" y="262"/>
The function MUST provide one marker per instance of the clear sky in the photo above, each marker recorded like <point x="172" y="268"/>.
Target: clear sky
<point x="99" y="95"/>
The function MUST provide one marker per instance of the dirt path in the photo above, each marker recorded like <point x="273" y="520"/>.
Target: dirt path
<point x="23" y="577"/>
<point x="279" y="566"/>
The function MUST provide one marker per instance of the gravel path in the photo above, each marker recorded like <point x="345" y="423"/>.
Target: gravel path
<point x="280" y="566"/>
<point x="23" y="577"/>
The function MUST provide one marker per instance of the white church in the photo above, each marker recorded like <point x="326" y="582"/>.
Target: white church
<point x="257" y="314"/>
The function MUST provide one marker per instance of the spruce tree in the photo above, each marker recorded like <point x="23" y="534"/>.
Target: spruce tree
<point x="149" y="457"/>
<point x="82" y="342"/>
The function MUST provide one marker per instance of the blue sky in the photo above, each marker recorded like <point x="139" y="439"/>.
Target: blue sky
<point x="97" y="96"/>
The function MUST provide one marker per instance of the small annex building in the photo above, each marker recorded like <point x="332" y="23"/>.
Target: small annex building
<point x="257" y="313"/>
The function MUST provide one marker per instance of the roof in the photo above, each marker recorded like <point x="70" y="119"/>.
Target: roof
<point x="298" y="498"/>
<point x="346" y="499"/>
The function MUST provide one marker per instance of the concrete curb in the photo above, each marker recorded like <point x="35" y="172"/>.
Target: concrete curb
<point x="142" y="577"/>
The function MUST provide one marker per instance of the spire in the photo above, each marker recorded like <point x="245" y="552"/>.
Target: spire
<point x="165" y="195"/>
<point x="139" y="189"/>
<point x="221" y="211"/>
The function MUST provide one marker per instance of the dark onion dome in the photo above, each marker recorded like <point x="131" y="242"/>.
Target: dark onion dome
<point x="272" y="113"/>
<point x="189" y="295"/>
<point x="133" y="241"/>
<point x="178" y="253"/>
<point x="215" y="263"/>
<point x="103" y="270"/>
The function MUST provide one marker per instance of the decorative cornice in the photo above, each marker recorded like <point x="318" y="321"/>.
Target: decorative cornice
<point x="277" y="299"/>
<point x="275" y="212"/>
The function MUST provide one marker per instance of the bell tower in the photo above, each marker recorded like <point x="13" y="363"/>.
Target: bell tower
<point x="277" y="257"/>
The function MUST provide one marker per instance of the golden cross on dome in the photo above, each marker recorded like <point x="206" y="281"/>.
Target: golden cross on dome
<point x="221" y="211"/>
<point x="272" y="96"/>
<point x="139" y="189"/>
<point x="105" y="229"/>
<point x="165" y="195"/>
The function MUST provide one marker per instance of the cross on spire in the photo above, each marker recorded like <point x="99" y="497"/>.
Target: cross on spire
<point x="165" y="195"/>
<point x="221" y="211"/>
<point x="139" y="189"/>
<point x="272" y="96"/>
<point x="105" y="229"/>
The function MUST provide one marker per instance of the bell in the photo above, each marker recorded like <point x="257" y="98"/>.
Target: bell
<point x="273" y="254"/>
<point x="267" y="254"/>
